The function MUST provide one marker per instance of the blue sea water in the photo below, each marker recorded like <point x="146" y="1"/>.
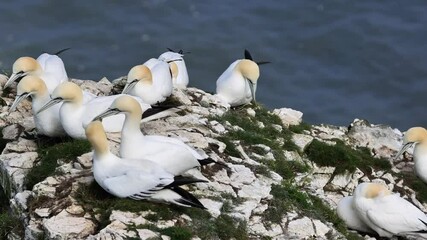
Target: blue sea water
<point x="333" y="60"/>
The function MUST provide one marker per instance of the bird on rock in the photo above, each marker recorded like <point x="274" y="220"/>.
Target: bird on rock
<point x="137" y="179"/>
<point x="170" y="153"/>
<point x="47" y="123"/>
<point x="386" y="213"/>
<point x="177" y="67"/>
<point x="346" y="212"/>
<point x="152" y="81"/>
<point x="48" y="67"/>
<point x="417" y="136"/>
<point x="238" y="83"/>
<point x="75" y="111"/>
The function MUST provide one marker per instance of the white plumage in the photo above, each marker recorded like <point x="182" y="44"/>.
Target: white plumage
<point x="172" y="154"/>
<point x="75" y="112"/>
<point x="177" y="67"/>
<point x="151" y="81"/>
<point x="386" y="213"/>
<point x="50" y="68"/>
<point x="346" y="212"/>
<point x="136" y="179"/>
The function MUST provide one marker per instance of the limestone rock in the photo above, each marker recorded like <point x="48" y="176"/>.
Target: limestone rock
<point x="65" y="226"/>
<point x="289" y="116"/>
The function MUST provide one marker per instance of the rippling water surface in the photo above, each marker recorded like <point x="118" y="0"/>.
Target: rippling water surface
<point x="332" y="60"/>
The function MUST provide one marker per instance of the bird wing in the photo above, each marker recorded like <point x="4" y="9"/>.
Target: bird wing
<point x="396" y="215"/>
<point x="42" y="60"/>
<point x="138" y="183"/>
<point x="197" y="153"/>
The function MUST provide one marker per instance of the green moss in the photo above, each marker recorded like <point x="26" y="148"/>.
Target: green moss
<point x="49" y="156"/>
<point x="229" y="228"/>
<point x="344" y="158"/>
<point x="412" y="181"/>
<point x="230" y="149"/>
<point x="178" y="233"/>
<point x="287" y="197"/>
<point x="300" y="128"/>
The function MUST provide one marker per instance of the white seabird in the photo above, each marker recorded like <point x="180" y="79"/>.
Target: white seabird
<point x="136" y="179"/>
<point x="346" y="212"/>
<point x="238" y="83"/>
<point x="177" y="67"/>
<point x="75" y="111"/>
<point x="48" y="122"/>
<point x="417" y="136"/>
<point x="152" y="81"/>
<point x="50" y="68"/>
<point x="386" y="213"/>
<point x="170" y="153"/>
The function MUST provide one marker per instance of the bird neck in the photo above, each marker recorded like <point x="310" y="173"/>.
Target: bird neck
<point x="132" y="122"/>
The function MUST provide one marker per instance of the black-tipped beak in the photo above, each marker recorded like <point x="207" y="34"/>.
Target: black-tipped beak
<point x="129" y="86"/>
<point x="403" y="149"/>
<point x="50" y="104"/>
<point x="18" y="99"/>
<point x="14" y="77"/>
<point x="109" y="112"/>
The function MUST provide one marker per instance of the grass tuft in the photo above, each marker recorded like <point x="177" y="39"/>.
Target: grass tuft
<point x="344" y="158"/>
<point x="49" y="156"/>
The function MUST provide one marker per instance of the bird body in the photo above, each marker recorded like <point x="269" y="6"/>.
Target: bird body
<point x="50" y="68"/>
<point x="75" y="112"/>
<point x="151" y="82"/>
<point x="346" y="212"/>
<point x="177" y="67"/>
<point x="171" y="154"/>
<point x="133" y="178"/>
<point x="48" y="122"/>
<point x="386" y="213"/>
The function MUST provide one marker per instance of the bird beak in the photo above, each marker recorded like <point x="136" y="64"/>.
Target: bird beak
<point x="18" y="99"/>
<point x="252" y="86"/>
<point x="50" y="104"/>
<point x="14" y="77"/>
<point x="129" y="86"/>
<point x="404" y="148"/>
<point x="109" y="112"/>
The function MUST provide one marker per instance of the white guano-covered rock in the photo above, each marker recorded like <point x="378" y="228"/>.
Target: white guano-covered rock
<point x="289" y="116"/>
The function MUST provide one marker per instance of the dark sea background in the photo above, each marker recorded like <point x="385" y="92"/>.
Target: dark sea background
<point x="332" y="60"/>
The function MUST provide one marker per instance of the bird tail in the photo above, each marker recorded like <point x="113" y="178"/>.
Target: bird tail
<point x="181" y="180"/>
<point x="187" y="199"/>
<point x="61" y="51"/>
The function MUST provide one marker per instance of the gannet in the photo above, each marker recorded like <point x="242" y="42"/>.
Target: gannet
<point x="48" y="122"/>
<point x="170" y="153"/>
<point x="346" y="212"/>
<point x="386" y="213"/>
<point x="49" y="68"/>
<point x="151" y="81"/>
<point x="238" y="83"/>
<point x="74" y="111"/>
<point x="136" y="179"/>
<point x="177" y="67"/>
<point x="417" y="136"/>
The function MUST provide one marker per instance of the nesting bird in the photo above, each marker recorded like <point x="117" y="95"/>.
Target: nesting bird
<point x="386" y="213"/>
<point x="50" y="68"/>
<point x="152" y="81"/>
<point x="417" y="136"/>
<point x="170" y="153"/>
<point x="238" y="83"/>
<point x="138" y="178"/>
<point x="348" y="214"/>
<point x="177" y="67"/>
<point x="48" y="122"/>
<point x="75" y="111"/>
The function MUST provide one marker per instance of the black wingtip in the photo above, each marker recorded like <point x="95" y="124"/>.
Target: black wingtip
<point x="181" y="180"/>
<point x="61" y="51"/>
<point x="170" y="49"/>
<point x="209" y="161"/>
<point x="248" y="55"/>
<point x="187" y="198"/>
<point x="156" y="109"/>
<point x="262" y="62"/>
